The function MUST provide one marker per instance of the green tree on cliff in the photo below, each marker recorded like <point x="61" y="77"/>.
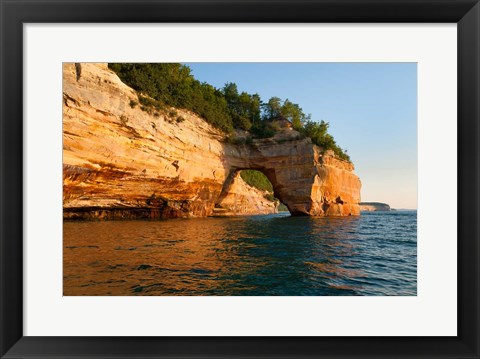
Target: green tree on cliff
<point x="275" y="108"/>
<point x="317" y="131"/>
<point x="244" y="108"/>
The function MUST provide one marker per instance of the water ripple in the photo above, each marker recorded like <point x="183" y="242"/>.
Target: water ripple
<point x="374" y="254"/>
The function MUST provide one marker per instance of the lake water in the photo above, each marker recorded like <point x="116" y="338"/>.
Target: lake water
<point x="373" y="254"/>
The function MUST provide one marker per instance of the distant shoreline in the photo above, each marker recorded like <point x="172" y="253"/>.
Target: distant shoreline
<point x="374" y="207"/>
<point x="380" y="207"/>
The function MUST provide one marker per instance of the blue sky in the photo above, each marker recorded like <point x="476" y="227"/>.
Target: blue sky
<point x="371" y="108"/>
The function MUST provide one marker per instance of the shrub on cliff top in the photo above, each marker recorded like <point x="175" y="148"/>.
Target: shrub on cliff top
<point x="319" y="136"/>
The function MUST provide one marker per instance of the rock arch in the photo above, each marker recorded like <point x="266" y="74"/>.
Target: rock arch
<point x="304" y="178"/>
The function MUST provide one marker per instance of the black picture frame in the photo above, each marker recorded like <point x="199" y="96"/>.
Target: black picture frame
<point x="15" y="13"/>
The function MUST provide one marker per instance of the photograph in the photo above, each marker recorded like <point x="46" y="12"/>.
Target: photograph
<point x="240" y="179"/>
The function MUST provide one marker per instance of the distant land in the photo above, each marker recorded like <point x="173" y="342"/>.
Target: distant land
<point x="374" y="206"/>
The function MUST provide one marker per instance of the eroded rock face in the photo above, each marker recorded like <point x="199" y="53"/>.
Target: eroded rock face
<point x="122" y="162"/>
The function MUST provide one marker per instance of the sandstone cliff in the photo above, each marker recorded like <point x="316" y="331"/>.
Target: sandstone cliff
<point x="122" y="162"/>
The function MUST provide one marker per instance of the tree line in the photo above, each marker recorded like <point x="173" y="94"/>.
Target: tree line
<point x="162" y="85"/>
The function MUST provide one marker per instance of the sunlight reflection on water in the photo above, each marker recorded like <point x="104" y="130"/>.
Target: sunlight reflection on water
<point x="374" y="254"/>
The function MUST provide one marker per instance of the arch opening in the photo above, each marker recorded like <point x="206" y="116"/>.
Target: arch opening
<point x="248" y="191"/>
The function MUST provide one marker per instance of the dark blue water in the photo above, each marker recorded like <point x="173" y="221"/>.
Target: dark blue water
<point x="373" y="254"/>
